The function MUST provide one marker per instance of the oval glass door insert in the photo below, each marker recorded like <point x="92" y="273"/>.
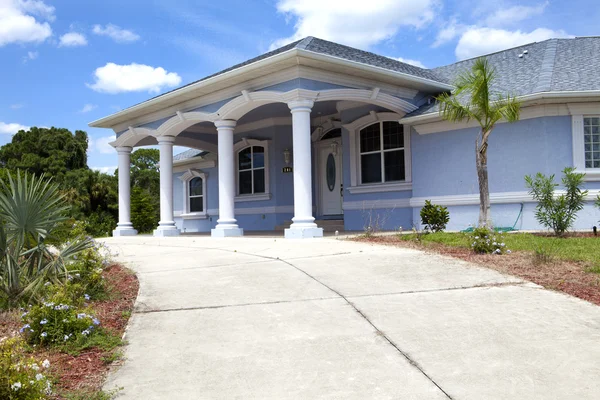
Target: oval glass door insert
<point x="330" y="172"/>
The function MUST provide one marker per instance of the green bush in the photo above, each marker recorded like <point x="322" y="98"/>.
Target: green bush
<point x="57" y="322"/>
<point x="21" y="377"/>
<point x="86" y="271"/>
<point x="434" y="217"/>
<point x="486" y="241"/>
<point x="100" y="223"/>
<point x="557" y="212"/>
<point x="143" y="211"/>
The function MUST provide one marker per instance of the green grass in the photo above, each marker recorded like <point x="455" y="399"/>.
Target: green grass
<point x="579" y="249"/>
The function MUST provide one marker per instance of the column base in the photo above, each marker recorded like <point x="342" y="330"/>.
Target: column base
<point x="165" y="231"/>
<point x="226" y="232"/>
<point x="124" y="232"/>
<point x="303" y="233"/>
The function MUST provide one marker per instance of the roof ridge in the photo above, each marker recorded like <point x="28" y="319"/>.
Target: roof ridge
<point x="303" y="44"/>
<point x="547" y="68"/>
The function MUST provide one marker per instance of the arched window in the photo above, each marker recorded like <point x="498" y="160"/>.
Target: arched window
<point x="251" y="170"/>
<point x="196" y="195"/>
<point x="382" y="153"/>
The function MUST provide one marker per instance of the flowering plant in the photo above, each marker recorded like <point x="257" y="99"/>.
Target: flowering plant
<point x="21" y="377"/>
<point x="486" y="241"/>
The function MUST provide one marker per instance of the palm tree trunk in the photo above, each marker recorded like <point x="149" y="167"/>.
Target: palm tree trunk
<point x="482" y="177"/>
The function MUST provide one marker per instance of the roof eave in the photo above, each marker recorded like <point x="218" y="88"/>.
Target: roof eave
<point x="113" y="119"/>
<point x="526" y="99"/>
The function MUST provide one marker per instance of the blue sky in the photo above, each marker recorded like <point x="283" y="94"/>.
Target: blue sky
<point x="65" y="63"/>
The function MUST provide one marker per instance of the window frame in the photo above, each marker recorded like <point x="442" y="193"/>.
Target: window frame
<point x="578" y="132"/>
<point x="354" y="128"/>
<point x="382" y="152"/>
<point x="241" y="146"/>
<point x="186" y="178"/>
<point x="584" y="151"/>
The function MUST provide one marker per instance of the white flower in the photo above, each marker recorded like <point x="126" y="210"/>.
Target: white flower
<point x="46" y="364"/>
<point x="43" y="334"/>
<point x="35" y="367"/>
<point x="16" y="386"/>
<point x="39" y="377"/>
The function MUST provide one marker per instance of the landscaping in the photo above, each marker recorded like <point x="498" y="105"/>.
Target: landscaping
<point x="569" y="264"/>
<point x="64" y="304"/>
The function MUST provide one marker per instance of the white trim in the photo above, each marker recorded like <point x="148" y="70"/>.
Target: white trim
<point x="375" y="204"/>
<point x="381" y="187"/>
<point x="240" y="198"/>
<point x="186" y="178"/>
<point x="591" y="174"/>
<point x="495" y="198"/>
<point x="193" y="216"/>
<point x="241" y="145"/>
<point x="265" y="210"/>
<point x="321" y="131"/>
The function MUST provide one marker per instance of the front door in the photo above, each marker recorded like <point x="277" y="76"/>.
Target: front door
<point x="330" y="176"/>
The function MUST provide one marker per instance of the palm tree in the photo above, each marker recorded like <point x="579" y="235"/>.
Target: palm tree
<point x="31" y="209"/>
<point x="473" y="99"/>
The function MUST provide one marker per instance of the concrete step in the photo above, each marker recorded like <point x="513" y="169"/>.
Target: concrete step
<point x="328" y="225"/>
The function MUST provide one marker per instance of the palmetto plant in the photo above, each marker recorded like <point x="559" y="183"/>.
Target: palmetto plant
<point x="473" y="99"/>
<point x="31" y="209"/>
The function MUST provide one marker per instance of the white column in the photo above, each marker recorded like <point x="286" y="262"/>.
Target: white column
<point x="303" y="223"/>
<point x="124" y="227"/>
<point x="226" y="224"/>
<point x="166" y="226"/>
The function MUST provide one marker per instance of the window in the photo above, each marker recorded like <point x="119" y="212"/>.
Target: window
<point x="591" y="141"/>
<point x="196" y="195"/>
<point x="382" y="153"/>
<point x="251" y="170"/>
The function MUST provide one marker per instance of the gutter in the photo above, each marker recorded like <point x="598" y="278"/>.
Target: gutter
<point x="109" y="121"/>
<point x="528" y="98"/>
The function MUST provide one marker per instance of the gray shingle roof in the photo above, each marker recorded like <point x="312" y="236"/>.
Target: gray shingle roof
<point x="549" y="66"/>
<point x="191" y="153"/>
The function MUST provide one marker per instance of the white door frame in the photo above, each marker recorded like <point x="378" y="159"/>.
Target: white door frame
<point x="318" y="145"/>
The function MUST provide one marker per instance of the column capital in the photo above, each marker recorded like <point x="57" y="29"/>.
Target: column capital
<point x="225" y="123"/>
<point x="124" y="149"/>
<point x="301" y="105"/>
<point x="166" y="139"/>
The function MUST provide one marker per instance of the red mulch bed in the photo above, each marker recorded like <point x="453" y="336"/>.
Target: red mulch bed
<point x="565" y="276"/>
<point x="86" y="371"/>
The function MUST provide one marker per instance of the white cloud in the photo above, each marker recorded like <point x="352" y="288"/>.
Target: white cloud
<point x="116" y="33"/>
<point x="72" y="39"/>
<point x="452" y="30"/>
<point x="88" y="107"/>
<point x="113" y="78"/>
<point x="416" y="63"/>
<point x="17" y="106"/>
<point x="102" y="144"/>
<point x="12" y="128"/>
<point x="31" y="55"/>
<point x="480" y="41"/>
<point x="512" y="15"/>
<point x="18" y="24"/>
<point x="354" y="22"/>
<point x="106" y="170"/>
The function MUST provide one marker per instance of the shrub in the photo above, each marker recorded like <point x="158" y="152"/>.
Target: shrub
<point x="486" y="241"/>
<point x="143" y="210"/>
<point x="86" y="272"/>
<point x="434" y="217"/>
<point x="58" y="322"/>
<point x="557" y="212"/>
<point x="21" y="377"/>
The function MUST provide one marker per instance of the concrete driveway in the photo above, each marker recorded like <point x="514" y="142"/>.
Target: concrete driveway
<point x="266" y="318"/>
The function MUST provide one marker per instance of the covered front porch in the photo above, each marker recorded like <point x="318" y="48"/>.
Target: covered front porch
<point x="280" y="140"/>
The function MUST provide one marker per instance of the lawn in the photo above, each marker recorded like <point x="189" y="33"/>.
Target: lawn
<point x="578" y="249"/>
<point x="570" y="265"/>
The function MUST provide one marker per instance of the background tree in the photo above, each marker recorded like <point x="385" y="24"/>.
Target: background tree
<point x="145" y="175"/>
<point x="474" y="99"/>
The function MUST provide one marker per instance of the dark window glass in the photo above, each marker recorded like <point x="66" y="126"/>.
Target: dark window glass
<point x="370" y="166"/>
<point x="245" y="181"/>
<point x="393" y="136"/>
<point x="196" y="187"/>
<point x="196" y="204"/>
<point x="394" y="165"/>
<point x="245" y="159"/>
<point x="258" y="156"/>
<point x="259" y="180"/>
<point x="330" y="172"/>
<point x="370" y="139"/>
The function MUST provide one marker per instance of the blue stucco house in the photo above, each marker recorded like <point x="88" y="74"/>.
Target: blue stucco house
<point x="316" y="134"/>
